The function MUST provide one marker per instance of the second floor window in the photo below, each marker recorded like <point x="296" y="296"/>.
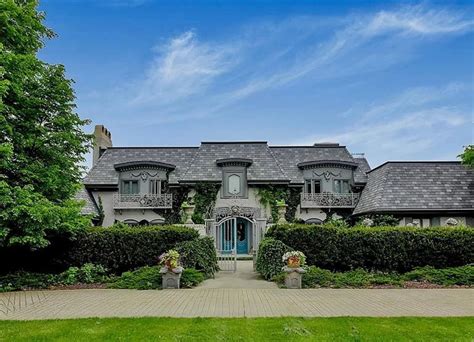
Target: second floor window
<point x="341" y="186"/>
<point x="312" y="186"/>
<point x="130" y="187"/>
<point x="156" y="186"/>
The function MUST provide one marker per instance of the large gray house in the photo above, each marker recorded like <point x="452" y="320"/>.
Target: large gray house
<point x="154" y="185"/>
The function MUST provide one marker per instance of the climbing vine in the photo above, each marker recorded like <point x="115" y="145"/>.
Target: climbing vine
<point x="269" y="195"/>
<point x="173" y="215"/>
<point x="204" y="201"/>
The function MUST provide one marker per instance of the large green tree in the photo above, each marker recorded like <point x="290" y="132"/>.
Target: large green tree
<point x="41" y="140"/>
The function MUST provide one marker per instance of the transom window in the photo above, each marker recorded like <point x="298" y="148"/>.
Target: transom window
<point x="312" y="186"/>
<point x="130" y="187"/>
<point x="342" y="186"/>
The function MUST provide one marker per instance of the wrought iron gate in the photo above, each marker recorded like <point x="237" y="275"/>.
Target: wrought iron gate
<point x="225" y="235"/>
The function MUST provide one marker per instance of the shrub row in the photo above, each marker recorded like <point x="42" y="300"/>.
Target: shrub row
<point x="359" y="278"/>
<point x="150" y="278"/>
<point x="87" y="274"/>
<point x="397" y="249"/>
<point x="123" y="249"/>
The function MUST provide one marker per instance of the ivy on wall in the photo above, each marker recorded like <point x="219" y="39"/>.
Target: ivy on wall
<point x="173" y="215"/>
<point x="204" y="201"/>
<point x="269" y="195"/>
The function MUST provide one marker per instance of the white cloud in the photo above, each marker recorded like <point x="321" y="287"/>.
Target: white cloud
<point x="418" y="20"/>
<point x="183" y="67"/>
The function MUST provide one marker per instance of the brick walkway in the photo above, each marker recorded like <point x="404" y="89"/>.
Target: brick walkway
<point x="214" y="302"/>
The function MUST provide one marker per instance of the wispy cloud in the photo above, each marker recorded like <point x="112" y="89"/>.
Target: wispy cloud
<point x="183" y="67"/>
<point x="409" y="123"/>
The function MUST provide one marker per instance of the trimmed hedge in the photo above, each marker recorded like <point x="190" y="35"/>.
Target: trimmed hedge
<point x="389" y="249"/>
<point x="122" y="249"/>
<point x="269" y="257"/>
<point x="199" y="254"/>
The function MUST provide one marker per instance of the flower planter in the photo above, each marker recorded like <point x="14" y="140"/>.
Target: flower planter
<point x="294" y="277"/>
<point x="171" y="278"/>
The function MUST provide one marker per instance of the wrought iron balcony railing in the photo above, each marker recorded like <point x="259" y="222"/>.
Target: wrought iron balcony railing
<point x="148" y="201"/>
<point x="329" y="200"/>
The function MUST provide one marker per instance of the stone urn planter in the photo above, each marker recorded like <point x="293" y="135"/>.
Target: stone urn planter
<point x="294" y="271"/>
<point x="188" y="212"/>
<point x="171" y="277"/>
<point x="294" y="277"/>
<point x="281" y="205"/>
<point x="170" y="269"/>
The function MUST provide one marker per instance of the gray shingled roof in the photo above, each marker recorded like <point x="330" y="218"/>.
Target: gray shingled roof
<point x="399" y="186"/>
<point x="103" y="172"/>
<point x="90" y="206"/>
<point x="360" y="174"/>
<point x="289" y="157"/>
<point x="277" y="164"/>
<point x="264" y="166"/>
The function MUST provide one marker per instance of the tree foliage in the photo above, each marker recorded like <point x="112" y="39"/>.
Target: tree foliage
<point x="41" y="139"/>
<point x="467" y="156"/>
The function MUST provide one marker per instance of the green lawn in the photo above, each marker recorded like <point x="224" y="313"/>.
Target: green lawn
<point x="241" y="329"/>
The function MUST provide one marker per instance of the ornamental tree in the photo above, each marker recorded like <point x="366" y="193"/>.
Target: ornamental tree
<point x="41" y="139"/>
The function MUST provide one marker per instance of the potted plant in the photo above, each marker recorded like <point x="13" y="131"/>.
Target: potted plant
<point x="170" y="269"/>
<point x="294" y="259"/>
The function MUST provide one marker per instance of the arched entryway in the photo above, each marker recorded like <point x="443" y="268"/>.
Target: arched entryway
<point x="234" y="234"/>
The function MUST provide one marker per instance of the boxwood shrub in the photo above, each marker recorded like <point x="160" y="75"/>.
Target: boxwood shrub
<point x="388" y="249"/>
<point x="199" y="254"/>
<point x="269" y="257"/>
<point x="123" y="249"/>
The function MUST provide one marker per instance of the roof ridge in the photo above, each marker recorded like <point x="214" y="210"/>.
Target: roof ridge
<point x="191" y="162"/>
<point x="278" y="164"/>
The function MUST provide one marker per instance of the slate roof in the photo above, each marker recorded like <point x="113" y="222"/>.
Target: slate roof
<point x="418" y="186"/>
<point x="103" y="173"/>
<point x="360" y="174"/>
<point x="269" y="163"/>
<point x="289" y="157"/>
<point x="264" y="166"/>
<point x="90" y="206"/>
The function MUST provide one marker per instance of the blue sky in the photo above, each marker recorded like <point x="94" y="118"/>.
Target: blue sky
<point x="393" y="80"/>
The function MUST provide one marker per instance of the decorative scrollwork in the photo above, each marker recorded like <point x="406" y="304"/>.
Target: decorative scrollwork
<point x="327" y="175"/>
<point x="329" y="200"/>
<point x="234" y="211"/>
<point x="163" y="201"/>
<point x="144" y="175"/>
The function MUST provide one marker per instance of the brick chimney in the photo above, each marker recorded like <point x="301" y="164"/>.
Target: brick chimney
<point x="102" y="141"/>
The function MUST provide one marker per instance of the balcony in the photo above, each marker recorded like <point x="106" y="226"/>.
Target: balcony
<point x="148" y="201"/>
<point x="329" y="200"/>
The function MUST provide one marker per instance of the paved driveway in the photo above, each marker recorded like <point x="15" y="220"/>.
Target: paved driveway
<point x="203" y="302"/>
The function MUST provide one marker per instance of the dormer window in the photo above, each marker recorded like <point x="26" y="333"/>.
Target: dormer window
<point x="312" y="186"/>
<point x="342" y="186"/>
<point x="234" y="177"/>
<point x="130" y="187"/>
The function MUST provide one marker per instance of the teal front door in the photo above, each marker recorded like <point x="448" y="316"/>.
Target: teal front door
<point x="242" y="236"/>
